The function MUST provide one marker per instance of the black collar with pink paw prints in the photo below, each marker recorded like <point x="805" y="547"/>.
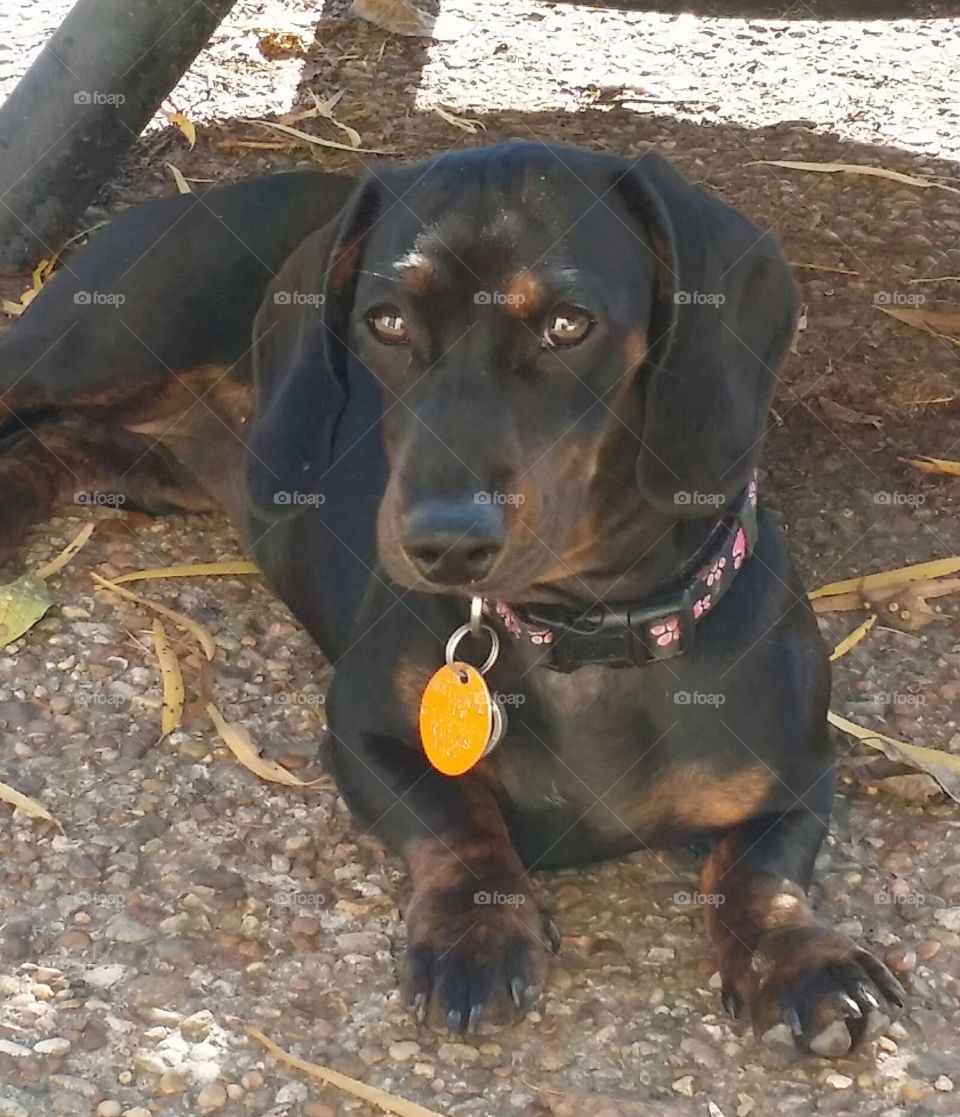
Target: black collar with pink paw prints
<point x="637" y="632"/>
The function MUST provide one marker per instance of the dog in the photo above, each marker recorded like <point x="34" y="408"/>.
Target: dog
<point x="489" y="421"/>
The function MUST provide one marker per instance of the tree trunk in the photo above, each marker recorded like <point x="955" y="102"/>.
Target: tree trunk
<point x="97" y="83"/>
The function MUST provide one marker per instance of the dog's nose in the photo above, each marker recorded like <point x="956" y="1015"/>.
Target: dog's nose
<point x="453" y="542"/>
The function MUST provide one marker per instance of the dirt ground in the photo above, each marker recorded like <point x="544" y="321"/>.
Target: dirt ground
<point x="183" y="900"/>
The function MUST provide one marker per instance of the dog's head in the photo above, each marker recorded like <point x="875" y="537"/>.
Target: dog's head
<point x="542" y="321"/>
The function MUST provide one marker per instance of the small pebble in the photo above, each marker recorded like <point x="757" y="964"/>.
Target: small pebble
<point x="943" y="1084"/>
<point x="839" y="1081"/>
<point x="55" y="1045"/>
<point x="400" y="1052"/>
<point x="683" y="1086"/>
<point x="212" y="1097"/>
<point x="109" y="1108"/>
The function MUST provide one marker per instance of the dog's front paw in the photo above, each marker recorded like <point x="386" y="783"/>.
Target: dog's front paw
<point x="814" y="984"/>
<point x="474" y="955"/>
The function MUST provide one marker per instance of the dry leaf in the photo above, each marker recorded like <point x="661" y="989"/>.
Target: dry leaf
<point x="76" y="544"/>
<point x="933" y="465"/>
<point x="324" y="109"/>
<point x="22" y="803"/>
<point x="937" y="568"/>
<point x="245" y="749"/>
<point x="855" y="169"/>
<point x="172" y="679"/>
<point x="852" y="639"/>
<point x="308" y="138"/>
<point x="943" y="766"/>
<point x="182" y="185"/>
<point x="838" y="413"/>
<point x="917" y="788"/>
<point x="179" y="121"/>
<point x="196" y="630"/>
<point x="190" y="570"/>
<point x="400" y="17"/>
<point x="276" y="45"/>
<point x="466" y="123"/>
<point x="825" y="267"/>
<point x="943" y="323"/>
<point x="389" y="1103"/>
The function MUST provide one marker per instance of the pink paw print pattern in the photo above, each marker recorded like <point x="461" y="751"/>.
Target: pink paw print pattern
<point x="666" y="633"/>
<point x="509" y="618"/>
<point x="739" y="549"/>
<point x="700" y="607"/>
<point x="713" y="573"/>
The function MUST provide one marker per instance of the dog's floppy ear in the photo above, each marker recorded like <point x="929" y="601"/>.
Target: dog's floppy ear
<point x="725" y="312"/>
<point x="300" y="355"/>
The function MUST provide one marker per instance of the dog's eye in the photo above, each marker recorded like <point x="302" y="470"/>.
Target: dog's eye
<point x="387" y="325"/>
<point x="567" y="326"/>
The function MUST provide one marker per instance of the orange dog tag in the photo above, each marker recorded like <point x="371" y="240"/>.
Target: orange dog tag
<point x="457" y="719"/>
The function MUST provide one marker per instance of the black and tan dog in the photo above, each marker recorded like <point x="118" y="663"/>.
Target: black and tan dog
<point x="533" y="376"/>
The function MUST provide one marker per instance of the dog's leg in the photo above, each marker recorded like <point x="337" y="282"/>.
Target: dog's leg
<point x="95" y="464"/>
<point x="776" y="959"/>
<point x="476" y="942"/>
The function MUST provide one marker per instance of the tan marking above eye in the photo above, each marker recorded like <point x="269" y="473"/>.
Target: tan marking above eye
<point x="567" y="326"/>
<point x="387" y="325"/>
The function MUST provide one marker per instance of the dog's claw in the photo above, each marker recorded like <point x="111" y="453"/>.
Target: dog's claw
<point x="455" y="1021"/>
<point x="731" y="1002"/>
<point x="850" y="1006"/>
<point x="516" y="991"/>
<point x="552" y="933"/>
<point x="420" y="1007"/>
<point x="792" y="1019"/>
<point x="473" y="1020"/>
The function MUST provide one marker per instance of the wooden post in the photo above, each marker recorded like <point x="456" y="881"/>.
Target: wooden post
<point x="97" y="83"/>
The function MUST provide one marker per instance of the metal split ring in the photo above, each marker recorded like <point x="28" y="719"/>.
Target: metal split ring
<point x="465" y="630"/>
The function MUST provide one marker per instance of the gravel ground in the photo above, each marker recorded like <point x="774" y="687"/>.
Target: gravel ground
<point x="184" y="900"/>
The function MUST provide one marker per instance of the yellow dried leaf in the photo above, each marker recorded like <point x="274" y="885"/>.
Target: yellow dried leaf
<point x="318" y="140"/>
<point x="933" y="465"/>
<point x="22" y="803"/>
<point x="853" y="638"/>
<point x="182" y="185"/>
<point x="172" y="679"/>
<point x="190" y="570"/>
<point x="187" y="127"/>
<point x="943" y="766"/>
<point x="54" y="566"/>
<point x="466" y="123"/>
<point x="245" y="749"/>
<point x="854" y="169"/>
<point x="937" y="568"/>
<point x="389" y="1103"/>
<point x="196" y="630"/>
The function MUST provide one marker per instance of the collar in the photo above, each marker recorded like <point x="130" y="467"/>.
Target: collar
<point x="661" y="626"/>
